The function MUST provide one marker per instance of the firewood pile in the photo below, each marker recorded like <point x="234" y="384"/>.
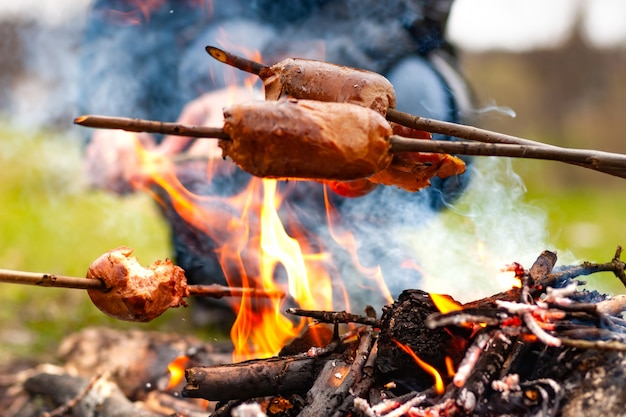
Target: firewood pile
<point x="546" y="348"/>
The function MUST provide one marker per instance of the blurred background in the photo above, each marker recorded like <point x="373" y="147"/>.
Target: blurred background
<point x="553" y="72"/>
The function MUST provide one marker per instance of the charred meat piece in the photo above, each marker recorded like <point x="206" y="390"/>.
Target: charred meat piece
<point x="136" y="293"/>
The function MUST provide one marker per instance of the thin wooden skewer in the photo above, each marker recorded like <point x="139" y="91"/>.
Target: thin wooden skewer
<point x="150" y="126"/>
<point x="610" y="163"/>
<point x="61" y="281"/>
<point x="479" y="135"/>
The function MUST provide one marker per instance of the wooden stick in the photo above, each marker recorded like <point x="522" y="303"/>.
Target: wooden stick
<point x="219" y="291"/>
<point x="476" y="134"/>
<point x="236" y="61"/>
<point x="150" y="126"/>
<point x="599" y="161"/>
<point x="334" y="317"/>
<point x="60" y="281"/>
<point x="50" y="280"/>
<point x="455" y="129"/>
<point x="607" y="162"/>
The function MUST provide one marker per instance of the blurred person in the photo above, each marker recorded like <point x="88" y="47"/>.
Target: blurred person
<point x="147" y="59"/>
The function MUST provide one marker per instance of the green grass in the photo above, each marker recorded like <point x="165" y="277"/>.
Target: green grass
<point x="50" y="222"/>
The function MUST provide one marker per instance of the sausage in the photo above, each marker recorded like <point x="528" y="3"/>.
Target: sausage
<point x="136" y="293"/>
<point x="306" y="139"/>
<point x="323" y="81"/>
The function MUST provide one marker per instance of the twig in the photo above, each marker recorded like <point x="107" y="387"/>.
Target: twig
<point x="475" y="134"/>
<point x="607" y="162"/>
<point x="150" y="126"/>
<point x="613" y="164"/>
<point x="334" y="317"/>
<point x="60" y="281"/>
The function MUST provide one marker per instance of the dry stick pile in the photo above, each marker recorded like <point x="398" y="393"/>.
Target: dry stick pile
<point x="519" y="352"/>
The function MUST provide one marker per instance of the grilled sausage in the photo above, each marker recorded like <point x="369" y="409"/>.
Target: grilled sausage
<point x="323" y="81"/>
<point x="306" y="139"/>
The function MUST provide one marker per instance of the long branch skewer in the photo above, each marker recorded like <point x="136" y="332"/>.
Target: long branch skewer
<point x="61" y="281"/>
<point x="610" y="163"/>
<point x="150" y="126"/>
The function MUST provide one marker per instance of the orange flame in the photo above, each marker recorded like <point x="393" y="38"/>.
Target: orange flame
<point x="176" y="369"/>
<point x="255" y="250"/>
<point x="439" y="385"/>
<point x="445" y="303"/>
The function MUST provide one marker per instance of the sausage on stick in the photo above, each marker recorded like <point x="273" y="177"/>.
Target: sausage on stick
<point x="322" y="81"/>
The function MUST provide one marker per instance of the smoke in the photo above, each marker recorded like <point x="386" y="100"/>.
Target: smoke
<point x="39" y="66"/>
<point x="463" y="251"/>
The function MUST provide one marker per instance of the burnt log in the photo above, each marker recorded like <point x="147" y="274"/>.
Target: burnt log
<point x="253" y="379"/>
<point x="403" y="321"/>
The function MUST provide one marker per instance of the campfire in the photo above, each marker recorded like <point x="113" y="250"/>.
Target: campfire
<point x="543" y="347"/>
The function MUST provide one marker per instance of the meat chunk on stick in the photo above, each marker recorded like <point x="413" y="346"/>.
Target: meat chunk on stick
<point x="137" y="293"/>
<point x="306" y="139"/>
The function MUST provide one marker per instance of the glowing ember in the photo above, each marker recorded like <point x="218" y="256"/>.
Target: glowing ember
<point x="439" y="386"/>
<point x="176" y="369"/>
<point x="450" y="366"/>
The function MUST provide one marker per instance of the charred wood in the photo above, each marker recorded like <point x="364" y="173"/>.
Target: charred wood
<point x="403" y="321"/>
<point x="330" y="394"/>
<point x="252" y="379"/>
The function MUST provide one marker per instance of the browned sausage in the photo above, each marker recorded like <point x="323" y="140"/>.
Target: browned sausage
<point x="323" y="81"/>
<point x="306" y="139"/>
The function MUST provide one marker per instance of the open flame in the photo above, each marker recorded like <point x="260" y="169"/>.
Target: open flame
<point x="439" y="385"/>
<point x="260" y="249"/>
<point x="445" y="303"/>
<point x="176" y="368"/>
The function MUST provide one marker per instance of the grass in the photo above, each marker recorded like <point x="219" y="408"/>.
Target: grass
<point x="50" y="222"/>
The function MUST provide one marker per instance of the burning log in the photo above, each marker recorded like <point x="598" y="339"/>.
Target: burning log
<point x="253" y="379"/>
<point x="333" y="390"/>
